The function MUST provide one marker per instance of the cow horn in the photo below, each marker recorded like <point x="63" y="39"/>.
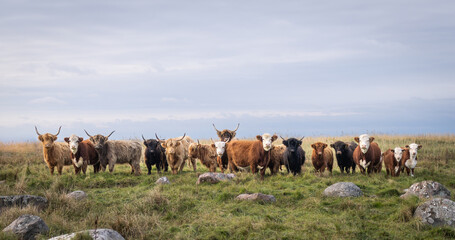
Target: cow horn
<point x="182" y="137"/>
<point x="212" y="140"/>
<point x="143" y="137"/>
<point x="238" y="125"/>
<point x="36" y="129"/>
<point x="282" y="138"/>
<point x="198" y="143"/>
<point x="157" y="137"/>
<point x="302" y="138"/>
<point x="87" y="133"/>
<point x="215" y="127"/>
<point x="229" y="139"/>
<point x="111" y="133"/>
<point x="58" y="131"/>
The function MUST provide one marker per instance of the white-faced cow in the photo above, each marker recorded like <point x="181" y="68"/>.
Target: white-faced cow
<point x="254" y="154"/>
<point x="392" y="161"/>
<point x="177" y="152"/>
<point x="367" y="155"/>
<point x="343" y="153"/>
<point x="83" y="153"/>
<point x="221" y="155"/>
<point x="117" y="152"/>
<point x="409" y="159"/>
<point x="154" y="154"/>
<point x="56" y="154"/>
<point x="294" y="155"/>
<point x="205" y="153"/>
<point x="226" y="135"/>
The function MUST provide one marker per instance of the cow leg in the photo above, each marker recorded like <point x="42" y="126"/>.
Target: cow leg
<point x="77" y="170"/>
<point x="158" y="167"/>
<point x="181" y="166"/>
<point x="149" y="167"/>
<point x="84" y="168"/>
<point x="51" y="169"/>
<point x="193" y="161"/>
<point x="412" y="172"/>
<point x="97" y="167"/>
<point x="111" y="167"/>
<point x="408" y="171"/>
<point x="59" y="169"/>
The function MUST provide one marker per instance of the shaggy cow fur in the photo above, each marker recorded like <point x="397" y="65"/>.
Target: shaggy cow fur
<point x="322" y="157"/>
<point x="343" y="153"/>
<point x="205" y="153"/>
<point x="56" y="154"/>
<point x="226" y="135"/>
<point x="154" y="154"/>
<point x="294" y="156"/>
<point x="177" y="153"/>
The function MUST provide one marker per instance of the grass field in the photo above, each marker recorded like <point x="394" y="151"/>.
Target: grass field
<point x="138" y="209"/>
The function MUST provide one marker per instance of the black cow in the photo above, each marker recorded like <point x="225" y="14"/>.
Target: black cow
<point x="155" y="155"/>
<point x="343" y="152"/>
<point x="294" y="154"/>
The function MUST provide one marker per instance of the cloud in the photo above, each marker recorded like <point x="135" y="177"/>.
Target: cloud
<point x="47" y="100"/>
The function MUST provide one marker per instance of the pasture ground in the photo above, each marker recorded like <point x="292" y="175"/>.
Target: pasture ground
<point x="138" y="209"/>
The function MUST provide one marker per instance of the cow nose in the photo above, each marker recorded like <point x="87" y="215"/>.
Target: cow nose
<point x="152" y="151"/>
<point x="339" y="152"/>
<point x="319" y="153"/>
<point x="292" y="150"/>
<point x="48" y="145"/>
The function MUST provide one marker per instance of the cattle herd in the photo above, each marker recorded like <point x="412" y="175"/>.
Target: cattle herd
<point x="227" y="153"/>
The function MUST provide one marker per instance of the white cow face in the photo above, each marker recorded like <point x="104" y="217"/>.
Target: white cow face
<point x="220" y="148"/>
<point x="73" y="142"/>
<point x="413" y="149"/>
<point x="364" y="142"/>
<point x="398" y="153"/>
<point x="267" y="140"/>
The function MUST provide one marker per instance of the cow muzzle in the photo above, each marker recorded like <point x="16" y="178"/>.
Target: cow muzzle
<point x="338" y="152"/>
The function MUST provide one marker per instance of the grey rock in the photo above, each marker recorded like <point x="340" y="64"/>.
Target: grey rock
<point x="2" y="182"/>
<point x="427" y="189"/>
<point x="99" y="234"/>
<point x="437" y="212"/>
<point x="23" y="201"/>
<point x="162" y="180"/>
<point x="27" y="226"/>
<point x="211" y="177"/>
<point x="77" y="195"/>
<point x="256" y="197"/>
<point x="343" y="189"/>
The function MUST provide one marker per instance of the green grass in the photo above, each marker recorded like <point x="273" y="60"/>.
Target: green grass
<point x="138" y="209"/>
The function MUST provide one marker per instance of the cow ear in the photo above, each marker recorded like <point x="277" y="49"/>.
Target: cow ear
<point x="81" y="139"/>
<point x="67" y="139"/>
<point x="54" y="137"/>
<point x="313" y="146"/>
<point x="285" y="142"/>
<point x="219" y="134"/>
<point x="145" y="143"/>
<point x="177" y="143"/>
<point x="300" y="142"/>
<point x="332" y="145"/>
<point x="163" y="144"/>
<point x="213" y="145"/>
<point x="259" y="137"/>
<point x="419" y="147"/>
<point x="371" y="139"/>
<point x="274" y="137"/>
<point x="392" y="150"/>
<point x="40" y="137"/>
<point x="356" y="139"/>
<point x="324" y="145"/>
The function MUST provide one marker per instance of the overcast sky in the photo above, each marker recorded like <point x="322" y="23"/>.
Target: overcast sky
<point x="291" y="67"/>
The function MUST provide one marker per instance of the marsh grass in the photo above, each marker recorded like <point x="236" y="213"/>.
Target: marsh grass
<point x="138" y="209"/>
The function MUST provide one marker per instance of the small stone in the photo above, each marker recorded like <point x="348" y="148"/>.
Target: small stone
<point x="99" y="234"/>
<point x="343" y="189"/>
<point x="162" y="180"/>
<point x="437" y="212"/>
<point x="211" y="177"/>
<point x="256" y="197"/>
<point x="27" y="226"/>
<point x="427" y="189"/>
<point x="77" y="195"/>
<point x="23" y="201"/>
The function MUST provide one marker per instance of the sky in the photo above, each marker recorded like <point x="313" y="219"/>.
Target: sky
<point x="295" y="68"/>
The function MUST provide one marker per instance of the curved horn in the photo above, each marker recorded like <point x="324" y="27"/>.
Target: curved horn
<point x="302" y="138"/>
<point x="198" y="143"/>
<point x="215" y="127"/>
<point x="58" y="130"/>
<point x="238" y="125"/>
<point x="182" y="137"/>
<point x="143" y="137"/>
<point x="282" y="138"/>
<point x="111" y="133"/>
<point x="87" y="133"/>
<point x="36" y="129"/>
<point x="229" y="139"/>
<point x="212" y="140"/>
<point x="158" y="138"/>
